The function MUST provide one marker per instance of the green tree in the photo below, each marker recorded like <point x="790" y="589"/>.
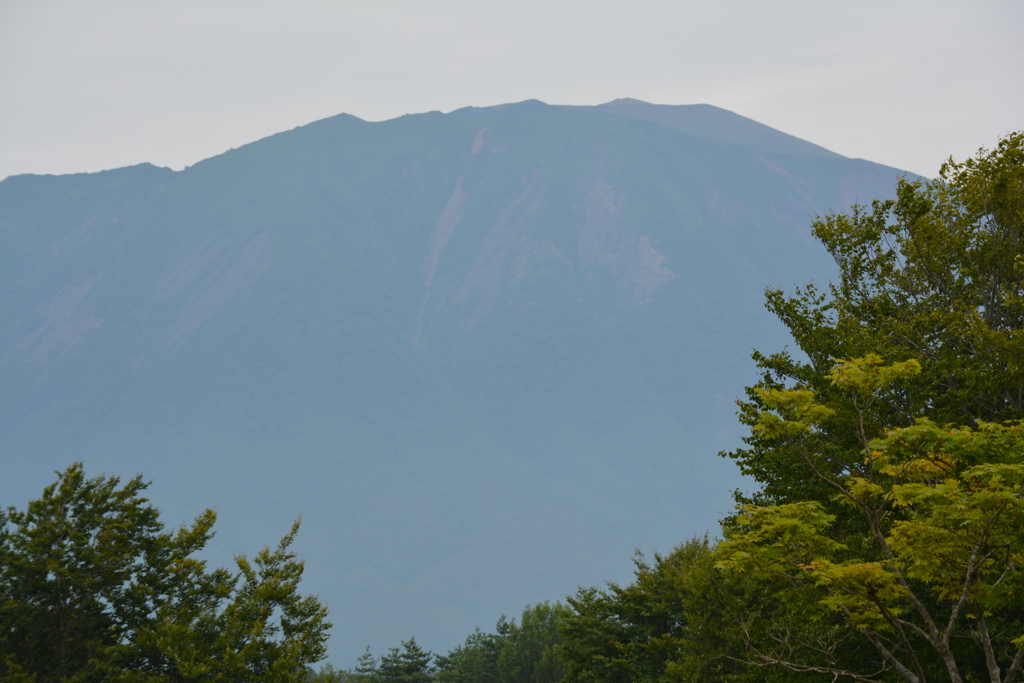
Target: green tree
<point x="624" y="633"/>
<point x="84" y="568"/>
<point x="847" y="562"/>
<point x="411" y="664"/>
<point x="366" y="667"/>
<point x="525" y="652"/>
<point x="329" y="674"/>
<point x="93" y="588"/>
<point x="530" y="651"/>
<point x="476" y="660"/>
<point x="936" y="275"/>
<point x="263" y="629"/>
<point x="679" y="620"/>
<point x="936" y="581"/>
<point x="934" y="278"/>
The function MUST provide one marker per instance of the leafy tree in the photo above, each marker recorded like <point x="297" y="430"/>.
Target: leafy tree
<point x="524" y="652"/>
<point x="476" y="660"/>
<point x="93" y="588"/>
<point x="676" y="621"/>
<point x="937" y="579"/>
<point x="847" y="562"/>
<point x="329" y="674"/>
<point x="623" y="633"/>
<point x="84" y="568"/>
<point x="262" y="630"/>
<point x="411" y="664"/>
<point x="936" y="275"/>
<point x="530" y="652"/>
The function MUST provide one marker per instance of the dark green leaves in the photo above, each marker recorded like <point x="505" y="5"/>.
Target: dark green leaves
<point x="93" y="588"/>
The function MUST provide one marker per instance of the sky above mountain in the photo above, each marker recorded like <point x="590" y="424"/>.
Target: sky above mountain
<point x="92" y="85"/>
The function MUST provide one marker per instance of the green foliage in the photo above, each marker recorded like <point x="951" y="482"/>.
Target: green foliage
<point x="530" y="651"/>
<point x="677" y="621"/>
<point x="867" y="518"/>
<point x="411" y="664"/>
<point x="329" y="674"/>
<point x="941" y="561"/>
<point x="476" y="660"/>
<point x="92" y="588"/>
<point x="524" y="652"/>
<point x="366" y="667"/>
<point x="262" y="630"/>
<point x="935" y="276"/>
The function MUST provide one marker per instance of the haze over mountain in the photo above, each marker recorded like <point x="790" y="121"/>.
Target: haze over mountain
<point x="484" y="354"/>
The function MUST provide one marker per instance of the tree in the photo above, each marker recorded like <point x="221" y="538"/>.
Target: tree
<point x="941" y="565"/>
<point x="411" y="664"/>
<point x="676" y="621"/>
<point x="524" y="652"/>
<point x="936" y="278"/>
<point x="530" y="651"/>
<point x="263" y="629"/>
<point x="624" y="633"/>
<point x="329" y="674"/>
<point x="476" y="660"/>
<point x="936" y="275"/>
<point x="366" y="667"/>
<point x="93" y="588"/>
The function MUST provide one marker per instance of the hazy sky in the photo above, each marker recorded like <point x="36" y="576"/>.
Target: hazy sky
<point x="87" y="85"/>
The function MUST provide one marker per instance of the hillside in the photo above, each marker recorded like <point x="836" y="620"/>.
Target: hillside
<point x="484" y="354"/>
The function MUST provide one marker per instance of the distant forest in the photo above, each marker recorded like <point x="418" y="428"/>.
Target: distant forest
<point x="884" y="540"/>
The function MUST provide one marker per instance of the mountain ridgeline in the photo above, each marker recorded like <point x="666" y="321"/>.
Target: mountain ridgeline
<point x="483" y="354"/>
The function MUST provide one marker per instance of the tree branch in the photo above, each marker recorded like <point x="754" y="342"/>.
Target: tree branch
<point x="1015" y="667"/>
<point x="994" y="674"/>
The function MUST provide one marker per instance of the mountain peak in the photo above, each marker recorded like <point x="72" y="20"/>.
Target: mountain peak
<point x="714" y="123"/>
<point x="623" y="101"/>
<point x="468" y="358"/>
<point x="524" y="106"/>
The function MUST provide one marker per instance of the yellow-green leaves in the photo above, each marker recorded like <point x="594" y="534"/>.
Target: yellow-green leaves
<point x="965" y="530"/>
<point x="959" y="494"/>
<point x="794" y="542"/>
<point x="778" y="540"/>
<point x="915" y="458"/>
<point x="868" y="593"/>
<point x="941" y="520"/>
<point x="869" y="374"/>
<point x="864" y="491"/>
<point x="796" y="412"/>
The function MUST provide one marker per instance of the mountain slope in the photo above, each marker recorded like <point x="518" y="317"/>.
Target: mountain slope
<point x="485" y="354"/>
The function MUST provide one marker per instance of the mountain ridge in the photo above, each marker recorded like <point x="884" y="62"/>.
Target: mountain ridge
<point x="484" y="354"/>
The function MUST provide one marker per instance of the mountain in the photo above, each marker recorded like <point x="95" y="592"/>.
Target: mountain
<point x="483" y="354"/>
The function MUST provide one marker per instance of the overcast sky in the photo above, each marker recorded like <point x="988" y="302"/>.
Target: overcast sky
<point x="90" y="85"/>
